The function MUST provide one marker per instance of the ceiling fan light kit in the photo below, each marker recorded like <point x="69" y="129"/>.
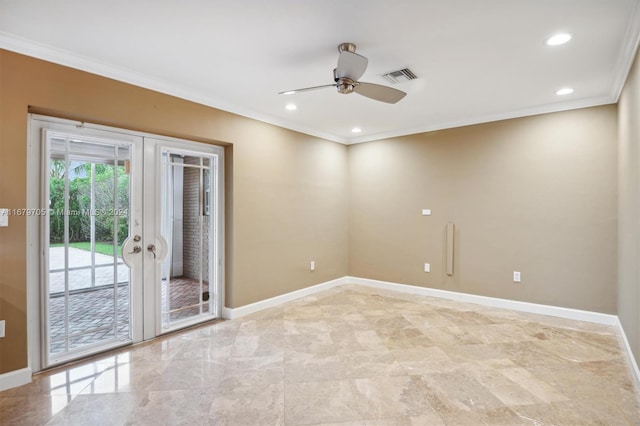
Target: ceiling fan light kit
<point x="350" y="68"/>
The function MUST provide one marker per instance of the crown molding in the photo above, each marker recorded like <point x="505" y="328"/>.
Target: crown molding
<point x="82" y="63"/>
<point x="627" y="53"/>
<point x="66" y="58"/>
<point x="480" y="119"/>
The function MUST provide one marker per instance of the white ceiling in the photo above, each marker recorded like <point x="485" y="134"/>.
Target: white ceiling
<point x="477" y="60"/>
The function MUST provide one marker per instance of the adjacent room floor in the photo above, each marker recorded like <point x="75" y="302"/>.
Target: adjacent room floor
<point x="349" y="356"/>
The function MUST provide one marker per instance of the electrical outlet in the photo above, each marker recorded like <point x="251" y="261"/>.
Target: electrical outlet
<point x="1" y="329"/>
<point x="427" y="267"/>
<point x="426" y="212"/>
<point x="516" y="276"/>
<point x="312" y="267"/>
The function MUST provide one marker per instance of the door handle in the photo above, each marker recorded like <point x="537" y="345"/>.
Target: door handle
<point x="130" y="246"/>
<point x="152" y="249"/>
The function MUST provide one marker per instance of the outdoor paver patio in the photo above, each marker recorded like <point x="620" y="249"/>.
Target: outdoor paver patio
<point x="91" y="312"/>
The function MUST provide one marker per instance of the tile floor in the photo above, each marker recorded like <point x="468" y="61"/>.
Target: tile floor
<point x="349" y="356"/>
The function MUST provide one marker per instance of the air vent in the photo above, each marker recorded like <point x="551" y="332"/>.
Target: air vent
<point x="400" y="76"/>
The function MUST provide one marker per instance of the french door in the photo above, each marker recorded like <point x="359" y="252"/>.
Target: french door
<point x="131" y="237"/>
<point x="183" y="233"/>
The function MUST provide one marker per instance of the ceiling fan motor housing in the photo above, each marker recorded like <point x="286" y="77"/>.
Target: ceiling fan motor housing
<point x="344" y="85"/>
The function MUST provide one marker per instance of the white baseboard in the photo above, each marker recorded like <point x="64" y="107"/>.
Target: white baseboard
<point x="556" y="311"/>
<point x="633" y="365"/>
<point x="231" y="313"/>
<point x="15" y="378"/>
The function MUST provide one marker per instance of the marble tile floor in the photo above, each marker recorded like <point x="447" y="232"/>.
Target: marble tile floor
<point x="348" y="356"/>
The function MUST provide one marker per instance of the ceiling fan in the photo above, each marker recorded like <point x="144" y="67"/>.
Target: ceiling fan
<point x="351" y="67"/>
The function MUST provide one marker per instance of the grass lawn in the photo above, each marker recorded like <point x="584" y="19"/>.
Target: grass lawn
<point x="104" y="248"/>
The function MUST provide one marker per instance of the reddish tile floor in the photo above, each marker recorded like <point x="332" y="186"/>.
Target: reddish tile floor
<point x="91" y="312"/>
<point x="184" y="300"/>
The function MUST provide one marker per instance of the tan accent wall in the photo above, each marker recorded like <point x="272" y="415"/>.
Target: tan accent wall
<point x="286" y="192"/>
<point x="629" y="209"/>
<point x="535" y="195"/>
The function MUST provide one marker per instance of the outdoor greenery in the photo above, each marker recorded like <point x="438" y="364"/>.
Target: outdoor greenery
<point x="79" y="211"/>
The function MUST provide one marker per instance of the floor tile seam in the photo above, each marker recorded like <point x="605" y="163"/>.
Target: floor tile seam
<point x="534" y="377"/>
<point x="325" y="380"/>
<point x="464" y="371"/>
<point x="541" y="346"/>
<point x="314" y="423"/>
<point x="352" y="389"/>
<point x="599" y="346"/>
<point x="507" y="405"/>
<point x="411" y="377"/>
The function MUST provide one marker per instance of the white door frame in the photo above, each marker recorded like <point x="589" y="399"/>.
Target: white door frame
<point x="97" y="138"/>
<point x="153" y="147"/>
<point x="34" y="229"/>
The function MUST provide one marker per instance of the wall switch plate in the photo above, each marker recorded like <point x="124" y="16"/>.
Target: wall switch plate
<point x="312" y="267"/>
<point x="1" y="329"/>
<point x="427" y="267"/>
<point x="426" y="212"/>
<point x="4" y="217"/>
<point x="516" y="276"/>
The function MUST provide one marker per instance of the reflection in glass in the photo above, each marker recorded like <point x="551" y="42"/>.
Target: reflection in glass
<point x="186" y="225"/>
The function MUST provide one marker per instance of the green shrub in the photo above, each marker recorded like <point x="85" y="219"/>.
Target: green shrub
<point x="80" y="212"/>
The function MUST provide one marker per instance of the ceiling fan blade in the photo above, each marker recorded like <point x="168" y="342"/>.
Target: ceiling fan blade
<point x="306" y="89"/>
<point x="379" y="92"/>
<point x="351" y="65"/>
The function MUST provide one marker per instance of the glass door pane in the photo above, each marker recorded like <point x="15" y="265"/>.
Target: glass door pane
<point x="187" y="226"/>
<point x="88" y="292"/>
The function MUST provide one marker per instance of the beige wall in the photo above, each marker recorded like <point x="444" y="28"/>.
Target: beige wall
<point x="629" y="210"/>
<point x="286" y="192"/>
<point x="535" y="195"/>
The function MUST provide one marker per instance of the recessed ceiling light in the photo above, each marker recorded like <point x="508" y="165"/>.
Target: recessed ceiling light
<point x="356" y="130"/>
<point x="564" y="91"/>
<point x="291" y="107"/>
<point x="558" y="39"/>
<point x="290" y="92"/>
